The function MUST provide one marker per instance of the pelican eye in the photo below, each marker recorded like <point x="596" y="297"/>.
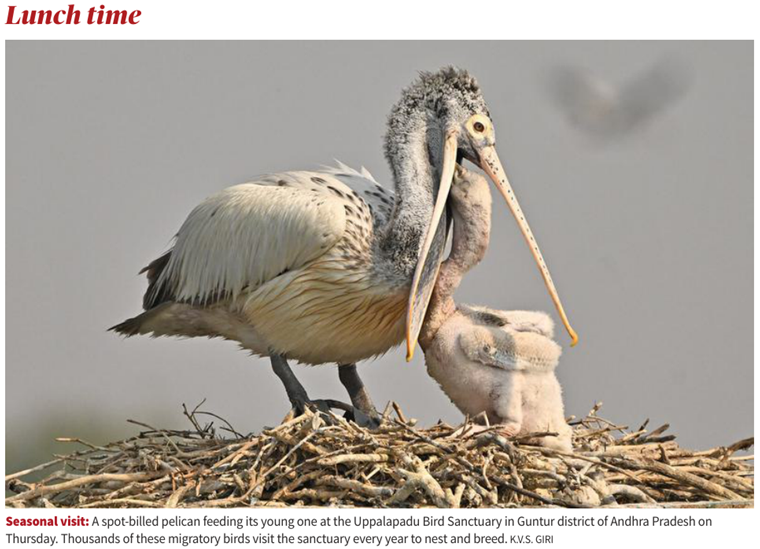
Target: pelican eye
<point x="479" y="127"/>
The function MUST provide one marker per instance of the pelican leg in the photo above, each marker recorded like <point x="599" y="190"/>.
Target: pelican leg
<point x="365" y="413"/>
<point x="296" y="392"/>
<point x="297" y="395"/>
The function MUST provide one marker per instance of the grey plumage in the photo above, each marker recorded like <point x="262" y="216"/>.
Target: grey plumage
<point x="413" y="148"/>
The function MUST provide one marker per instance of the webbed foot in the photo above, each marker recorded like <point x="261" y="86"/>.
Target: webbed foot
<point x="371" y="420"/>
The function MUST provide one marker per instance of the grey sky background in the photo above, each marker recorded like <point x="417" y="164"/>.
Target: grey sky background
<point x="647" y="227"/>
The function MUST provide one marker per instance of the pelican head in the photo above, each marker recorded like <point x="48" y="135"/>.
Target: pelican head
<point x="457" y="124"/>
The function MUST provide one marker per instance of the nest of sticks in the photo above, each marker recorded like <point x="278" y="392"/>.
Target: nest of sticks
<point x="318" y="460"/>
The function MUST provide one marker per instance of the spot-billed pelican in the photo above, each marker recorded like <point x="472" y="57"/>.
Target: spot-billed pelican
<point x="327" y="266"/>
<point x="497" y="363"/>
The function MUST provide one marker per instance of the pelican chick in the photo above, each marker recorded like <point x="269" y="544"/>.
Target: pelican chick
<point x="487" y="361"/>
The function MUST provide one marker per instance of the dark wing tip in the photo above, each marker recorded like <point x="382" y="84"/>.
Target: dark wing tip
<point x="157" y="292"/>
<point x="127" y="328"/>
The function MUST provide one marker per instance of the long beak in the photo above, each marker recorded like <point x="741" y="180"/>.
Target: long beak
<point x="431" y="255"/>
<point x="491" y="164"/>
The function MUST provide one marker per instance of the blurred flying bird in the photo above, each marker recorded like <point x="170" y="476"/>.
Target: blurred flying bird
<point x="605" y="110"/>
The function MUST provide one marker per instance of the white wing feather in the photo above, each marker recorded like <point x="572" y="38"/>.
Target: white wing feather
<point x="246" y="235"/>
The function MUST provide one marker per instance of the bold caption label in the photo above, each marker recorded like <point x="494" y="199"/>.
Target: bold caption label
<point x="72" y="16"/>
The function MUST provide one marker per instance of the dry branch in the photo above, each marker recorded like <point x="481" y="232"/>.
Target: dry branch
<point x="325" y="460"/>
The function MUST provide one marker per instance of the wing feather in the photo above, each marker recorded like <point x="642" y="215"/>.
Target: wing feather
<point x="379" y="199"/>
<point x="246" y="235"/>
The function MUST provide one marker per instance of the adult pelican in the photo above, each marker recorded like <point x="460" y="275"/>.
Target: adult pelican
<point x="328" y="266"/>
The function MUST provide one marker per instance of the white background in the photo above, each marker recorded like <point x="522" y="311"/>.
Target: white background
<point x="443" y="20"/>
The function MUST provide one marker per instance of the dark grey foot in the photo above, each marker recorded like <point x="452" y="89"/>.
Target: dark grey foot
<point x="364" y="412"/>
<point x="297" y="395"/>
<point x="351" y="413"/>
<point x="320" y="405"/>
<point x="368" y="421"/>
